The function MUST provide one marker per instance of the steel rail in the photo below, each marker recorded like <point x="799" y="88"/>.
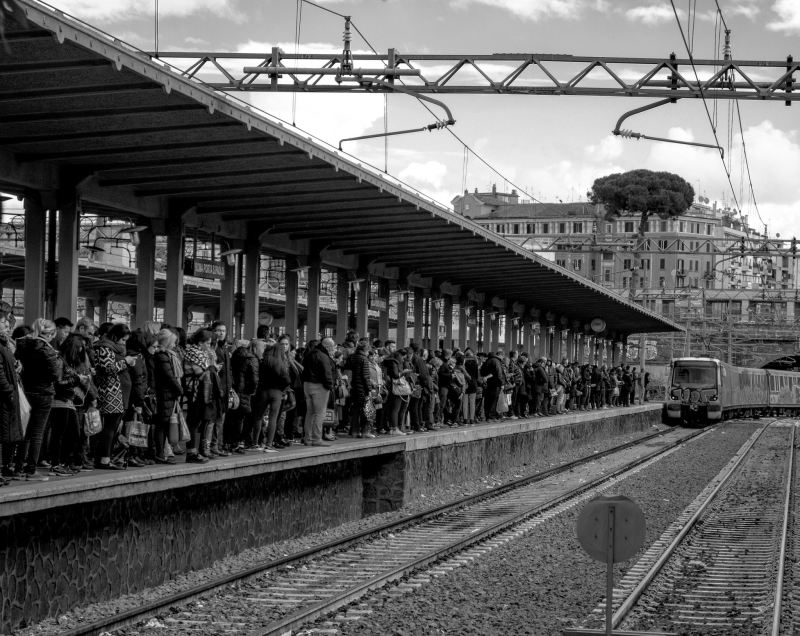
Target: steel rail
<point x="331" y="604"/>
<point x="131" y="616"/>
<point x="787" y="513"/>
<point x="644" y="583"/>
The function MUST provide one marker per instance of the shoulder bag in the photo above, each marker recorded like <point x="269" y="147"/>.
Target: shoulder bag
<point x="401" y="387"/>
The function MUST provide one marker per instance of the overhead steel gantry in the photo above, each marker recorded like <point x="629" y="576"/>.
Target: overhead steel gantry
<point x="492" y="74"/>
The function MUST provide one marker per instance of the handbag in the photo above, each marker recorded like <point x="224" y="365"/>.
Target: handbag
<point x="369" y="411"/>
<point x="183" y="429"/>
<point x="92" y="422"/>
<point x="136" y="431"/>
<point x="24" y="409"/>
<point x="329" y="419"/>
<point x="416" y="392"/>
<point x="502" y="403"/>
<point x="233" y="400"/>
<point x="401" y="387"/>
<point x="173" y="432"/>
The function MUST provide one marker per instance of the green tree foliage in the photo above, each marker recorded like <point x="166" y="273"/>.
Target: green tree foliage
<point x="644" y="193"/>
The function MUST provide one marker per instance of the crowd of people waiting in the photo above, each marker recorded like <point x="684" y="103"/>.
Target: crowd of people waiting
<point x="79" y="397"/>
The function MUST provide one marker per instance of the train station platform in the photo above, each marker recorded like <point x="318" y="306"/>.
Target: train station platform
<point x="100" y="535"/>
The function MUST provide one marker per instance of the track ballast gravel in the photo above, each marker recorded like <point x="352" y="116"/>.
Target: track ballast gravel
<point x="545" y="582"/>
<point x="94" y="611"/>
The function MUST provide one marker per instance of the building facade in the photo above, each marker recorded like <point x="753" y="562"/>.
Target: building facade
<point x="706" y="268"/>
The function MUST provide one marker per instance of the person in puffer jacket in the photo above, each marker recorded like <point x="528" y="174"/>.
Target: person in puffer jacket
<point x="40" y="370"/>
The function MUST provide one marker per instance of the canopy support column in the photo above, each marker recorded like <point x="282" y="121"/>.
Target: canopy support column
<point x="252" y="273"/>
<point x="35" y="258"/>
<point x="173" y="302"/>
<point x="145" y="277"/>
<point x="66" y="291"/>
<point x="292" y="284"/>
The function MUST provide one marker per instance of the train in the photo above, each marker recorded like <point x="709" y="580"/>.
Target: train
<point x="706" y="390"/>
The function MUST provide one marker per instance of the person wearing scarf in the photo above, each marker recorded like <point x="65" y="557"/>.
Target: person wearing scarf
<point x="113" y="389"/>
<point x="204" y="395"/>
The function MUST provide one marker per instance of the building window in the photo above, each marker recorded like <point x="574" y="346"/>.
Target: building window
<point x="545" y="228"/>
<point x="562" y="228"/>
<point x="628" y="227"/>
<point x="561" y="262"/>
<point x="662" y="282"/>
<point x="531" y="228"/>
<point x="577" y="264"/>
<point x="516" y="228"/>
<point x="624" y="282"/>
<point x="608" y="228"/>
<point x="662" y="263"/>
<point x="662" y="226"/>
<point x="662" y="245"/>
<point x="681" y="226"/>
<point x="466" y="207"/>
<point x="577" y="228"/>
<point x="626" y="263"/>
<point x="594" y="267"/>
<point x="607" y="275"/>
<point x="608" y="256"/>
<point x="645" y="263"/>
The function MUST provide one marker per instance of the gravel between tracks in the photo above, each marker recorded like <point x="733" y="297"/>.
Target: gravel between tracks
<point x="248" y="558"/>
<point x="545" y="582"/>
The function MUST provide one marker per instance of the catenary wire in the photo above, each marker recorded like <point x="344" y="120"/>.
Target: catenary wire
<point x="426" y="107"/>
<point x="705" y="102"/>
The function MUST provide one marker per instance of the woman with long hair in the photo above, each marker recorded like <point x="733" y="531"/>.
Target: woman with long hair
<point x="39" y="372"/>
<point x="113" y="389"/>
<point x="140" y="345"/>
<point x="71" y="395"/>
<point x="273" y="379"/>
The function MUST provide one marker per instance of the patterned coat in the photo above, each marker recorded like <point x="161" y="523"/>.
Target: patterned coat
<point x="110" y="364"/>
<point x="10" y="425"/>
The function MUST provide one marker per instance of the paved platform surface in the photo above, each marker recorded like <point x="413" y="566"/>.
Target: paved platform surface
<point x="20" y="497"/>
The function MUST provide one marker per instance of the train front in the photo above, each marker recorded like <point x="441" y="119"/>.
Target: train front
<point x="693" y="393"/>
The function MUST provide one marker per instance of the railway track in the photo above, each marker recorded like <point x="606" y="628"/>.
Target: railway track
<point x="723" y="566"/>
<point x="284" y="595"/>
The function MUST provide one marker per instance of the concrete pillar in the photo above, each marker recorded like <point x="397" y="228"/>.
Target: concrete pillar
<point x="173" y="301"/>
<point x="67" y="289"/>
<point x="402" y="318"/>
<point x="252" y="273"/>
<point x="314" y="278"/>
<point x="88" y="308"/>
<point x="472" y="328"/>
<point x="510" y="342"/>
<point x="342" y="304"/>
<point x="463" y="326"/>
<point x="35" y="258"/>
<point x="227" y="296"/>
<point x="292" y="284"/>
<point x="495" y="327"/>
<point x="383" y="309"/>
<point x="433" y="329"/>
<point x="102" y="310"/>
<point x="527" y="339"/>
<point x="448" y="323"/>
<point x="419" y="317"/>
<point x="487" y="331"/>
<point x="362" y="306"/>
<point x="580" y="350"/>
<point x="145" y="277"/>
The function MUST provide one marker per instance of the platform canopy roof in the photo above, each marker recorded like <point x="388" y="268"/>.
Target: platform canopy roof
<point x="82" y="110"/>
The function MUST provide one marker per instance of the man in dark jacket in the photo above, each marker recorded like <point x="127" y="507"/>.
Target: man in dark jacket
<point x="318" y="376"/>
<point x="244" y="373"/>
<point x="541" y="385"/>
<point x="219" y="331"/>
<point x="494" y="375"/>
<point x="358" y="364"/>
<point x="418" y="406"/>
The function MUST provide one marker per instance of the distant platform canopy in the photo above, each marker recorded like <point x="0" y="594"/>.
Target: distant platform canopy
<point x="86" y="113"/>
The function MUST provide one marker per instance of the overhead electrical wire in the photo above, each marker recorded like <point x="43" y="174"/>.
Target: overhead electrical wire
<point x="705" y="104"/>
<point x="426" y="107"/>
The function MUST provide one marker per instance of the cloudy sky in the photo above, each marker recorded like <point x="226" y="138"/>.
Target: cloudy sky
<point x="552" y="147"/>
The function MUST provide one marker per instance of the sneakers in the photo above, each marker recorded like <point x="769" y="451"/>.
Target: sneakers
<point x="369" y="435"/>
<point x="196" y="458"/>
<point x="61" y="471"/>
<point x="396" y="431"/>
<point x="270" y="449"/>
<point x="34" y="476"/>
<point x="135" y="462"/>
<point x="239" y="450"/>
<point x="109" y="466"/>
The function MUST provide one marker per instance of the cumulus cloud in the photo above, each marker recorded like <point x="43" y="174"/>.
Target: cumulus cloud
<point x="788" y="17"/>
<point x="652" y="15"/>
<point x="534" y="11"/>
<point x="430" y="173"/>
<point x="610" y="147"/>
<point x="114" y="10"/>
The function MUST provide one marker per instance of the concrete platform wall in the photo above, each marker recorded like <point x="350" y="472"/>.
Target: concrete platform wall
<point x="94" y="538"/>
